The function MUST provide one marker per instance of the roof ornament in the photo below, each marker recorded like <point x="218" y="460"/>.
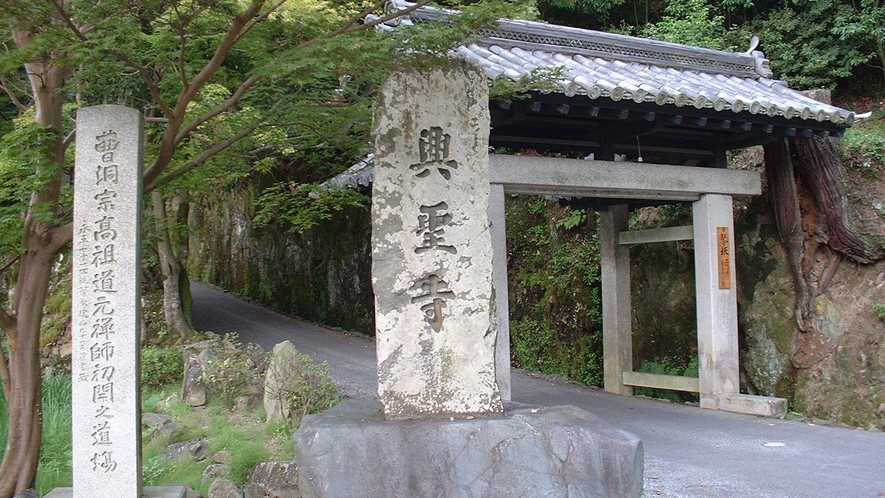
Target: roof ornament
<point x="754" y="42"/>
<point x="763" y="67"/>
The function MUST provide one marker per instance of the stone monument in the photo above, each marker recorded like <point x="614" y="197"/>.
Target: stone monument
<point x="106" y="309"/>
<point x="441" y="428"/>
<point x="106" y="306"/>
<point x="431" y="246"/>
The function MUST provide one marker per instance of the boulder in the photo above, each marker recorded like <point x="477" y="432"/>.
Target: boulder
<point x="193" y="389"/>
<point x="215" y="470"/>
<point x="352" y="451"/>
<point x="275" y="380"/>
<point x="277" y="479"/>
<point x="160" y="423"/>
<point x="222" y="456"/>
<point x="195" y="448"/>
<point x="253" y="491"/>
<point x="224" y="488"/>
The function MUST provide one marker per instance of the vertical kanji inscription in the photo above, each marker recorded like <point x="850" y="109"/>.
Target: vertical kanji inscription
<point x="106" y="303"/>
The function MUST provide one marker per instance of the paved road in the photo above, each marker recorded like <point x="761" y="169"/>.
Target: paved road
<point x="689" y="452"/>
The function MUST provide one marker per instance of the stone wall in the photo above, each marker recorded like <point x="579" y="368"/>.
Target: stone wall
<point x="323" y="275"/>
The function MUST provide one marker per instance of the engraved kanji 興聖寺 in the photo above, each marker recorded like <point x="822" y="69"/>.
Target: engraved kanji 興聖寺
<point x="433" y="149"/>
<point x="430" y="227"/>
<point x="433" y="292"/>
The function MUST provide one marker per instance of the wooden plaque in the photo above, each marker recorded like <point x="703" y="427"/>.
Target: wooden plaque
<point x="724" y="257"/>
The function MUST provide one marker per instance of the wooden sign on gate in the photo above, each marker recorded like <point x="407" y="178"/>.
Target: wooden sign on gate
<point x="724" y="257"/>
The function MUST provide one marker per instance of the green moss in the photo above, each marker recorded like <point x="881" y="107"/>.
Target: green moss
<point x="555" y="306"/>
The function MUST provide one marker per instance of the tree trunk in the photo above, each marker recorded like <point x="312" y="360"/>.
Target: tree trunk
<point x="42" y="240"/>
<point x="171" y="269"/>
<point x="24" y="401"/>
<point x="780" y="179"/>
<point x="820" y="167"/>
<point x="182" y="216"/>
<point x="816" y="165"/>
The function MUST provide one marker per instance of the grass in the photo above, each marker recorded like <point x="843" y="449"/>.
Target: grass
<point x="55" y="467"/>
<point x="244" y="436"/>
<point x="248" y="439"/>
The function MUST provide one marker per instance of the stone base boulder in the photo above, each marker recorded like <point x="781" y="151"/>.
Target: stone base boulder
<point x="559" y="451"/>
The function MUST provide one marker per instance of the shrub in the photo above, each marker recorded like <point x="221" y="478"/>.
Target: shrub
<point x="161" y="366"/>
<point x="230" y="371"/>
<point x="300" y="385"/>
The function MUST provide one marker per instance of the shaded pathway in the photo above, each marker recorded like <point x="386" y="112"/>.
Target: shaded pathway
<point x="689" y="452"/>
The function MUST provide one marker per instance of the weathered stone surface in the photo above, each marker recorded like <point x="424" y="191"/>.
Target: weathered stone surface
<point x="154" y="420"/>
<point x="193" y="389"/>
<point x="224" y="488"/>
<point x="177" y="450"/>
<point x="215" y="470"/>
<point x="222" y="456"/>
<point x="245" y="403"/>
<point x="106" y="309"/>
<point x="253" y="491"/>
<point x="277" y="478"/>
<point x="195" y="448"/>
<point x="160" y="423"/>
<point x="431" y="247"/>
<point x="352" y="451"/>
<point x="151" y="492"/>
<point x="275" y="381"/>
<point x="257" y="355"/>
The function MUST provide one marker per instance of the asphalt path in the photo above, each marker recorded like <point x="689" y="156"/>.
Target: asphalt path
<point x="689" y="452"/>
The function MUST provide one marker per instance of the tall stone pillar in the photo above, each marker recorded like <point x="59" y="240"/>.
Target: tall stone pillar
<point x="716" y="298"/>
<point x="106" y="303"/>
<point x="497" y="216"/>
<point x="431" y="246"/>
<point x="617" y="330"/>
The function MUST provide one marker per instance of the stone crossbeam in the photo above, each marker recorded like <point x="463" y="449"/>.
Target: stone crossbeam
<point x="617" y="180"/>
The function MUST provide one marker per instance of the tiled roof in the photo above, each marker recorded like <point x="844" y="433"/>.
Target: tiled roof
<point x="616" y="67"/>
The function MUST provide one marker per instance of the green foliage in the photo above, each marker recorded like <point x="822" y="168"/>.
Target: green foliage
<point x="229" y="371"/>
<point x="57" y="309"/>
<point x="24" y="169"/>
<point x="245" y="449"/>
<point x="301" y="207"/>
<point x="555" y="302"/>
<point x="798" y="40"/>
<point x="56" y="451"/>
<point x="668" y="366"/>
<point x="689" y="22"/>
<point x="538" y="79"/>
<point x="879" y="310"/>
<point x="863" y="147"/>
<point x="302" y="386"/>
<point x="867" y="27"/>
<point x="216" y="427"/>
<point x="161" y="366"/>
